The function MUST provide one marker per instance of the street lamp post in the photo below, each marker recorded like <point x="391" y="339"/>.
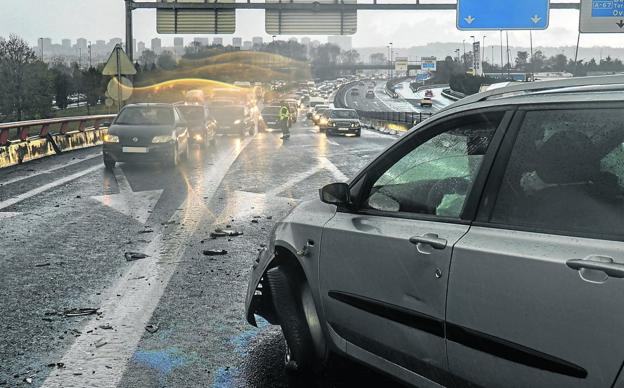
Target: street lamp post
<point x="464" y="57"/>
<point x="390" y="57"/>
<point x="483" y="49"/>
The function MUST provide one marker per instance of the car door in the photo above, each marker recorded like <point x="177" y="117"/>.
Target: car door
<point x="536" y="286"/>
<point x="384" y="264"/>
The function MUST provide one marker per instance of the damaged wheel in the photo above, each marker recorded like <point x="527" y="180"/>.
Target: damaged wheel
<point x="306" y="350"/>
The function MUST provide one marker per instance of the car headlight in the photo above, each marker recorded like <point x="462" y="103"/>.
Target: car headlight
<point x="260" y="117"/>
<point x="108" y="138"/>
<point x="316" y="117"/>
<point x="237" y="122"/>
<point x="162" y="139"/>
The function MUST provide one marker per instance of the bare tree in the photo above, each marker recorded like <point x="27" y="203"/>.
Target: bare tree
<point x="25" y="81"/>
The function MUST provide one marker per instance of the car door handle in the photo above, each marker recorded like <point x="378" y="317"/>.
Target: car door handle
<point x="431" y="239"/>
<point x="612" y="269"/>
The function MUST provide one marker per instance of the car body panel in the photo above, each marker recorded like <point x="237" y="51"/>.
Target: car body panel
<point x="292" y="234"/>
<point x="404" y="316"/>
<point x="514" y="287"/>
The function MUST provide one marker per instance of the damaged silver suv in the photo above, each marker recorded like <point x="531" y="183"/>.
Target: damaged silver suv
<point x="484" y="248"/>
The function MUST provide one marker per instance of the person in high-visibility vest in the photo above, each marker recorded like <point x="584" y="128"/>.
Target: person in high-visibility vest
<point x="284" y="118"/>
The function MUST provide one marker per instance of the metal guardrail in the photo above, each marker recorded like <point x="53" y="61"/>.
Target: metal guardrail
<point x="23" y="128"/>
<point x="403" y="118"/>
<point x="23" y="141"/>
<point x="410" y="118"/>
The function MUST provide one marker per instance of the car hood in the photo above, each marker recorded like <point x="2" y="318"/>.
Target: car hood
<point x="140" y="130"/>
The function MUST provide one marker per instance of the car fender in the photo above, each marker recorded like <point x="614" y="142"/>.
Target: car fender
<point x="298" y="238"/>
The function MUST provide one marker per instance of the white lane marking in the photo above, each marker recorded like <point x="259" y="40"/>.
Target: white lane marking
<point x="8" y="214"/>
<point x="332" y="142"/>
<point x="324" y="164"/>
<point x="49" y="170"/>
<point x="136" y="205"/>
<point x="48" y="186"/>
<point x="328" y="165"/>
<point x="130" y="303"/>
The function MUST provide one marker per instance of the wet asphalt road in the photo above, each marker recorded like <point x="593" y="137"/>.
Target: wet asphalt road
<point x="66" y="223"/>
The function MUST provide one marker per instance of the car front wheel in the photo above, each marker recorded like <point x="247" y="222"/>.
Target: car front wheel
<point x="306" y="349"/>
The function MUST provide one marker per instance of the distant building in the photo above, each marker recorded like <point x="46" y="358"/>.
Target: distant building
<point x="256" y="40"/>
<point x="140" y="48"/>
<point x="156" y="45"/>
<point x="305" y="41"/>
<point x="344" y="42"/>
<point x="113" y="42"/>
<point x="81" y="43"/>
<point x="201" y="41"/>
<point x="315" y="43"/>
<point x="237" y="42"/>
<point x="66" y="44"/>
<point x="217" y="41"/>
<point x="293" y="39"/>
<point x="247" y="45"/>
<point x="178" y="42"/>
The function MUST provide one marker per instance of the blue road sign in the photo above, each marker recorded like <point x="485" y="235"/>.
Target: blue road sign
<point x="502" y="14"/>
<point x="608" y="8"/>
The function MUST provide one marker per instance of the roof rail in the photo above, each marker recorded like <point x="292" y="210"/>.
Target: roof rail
<point x="540" y="86"/>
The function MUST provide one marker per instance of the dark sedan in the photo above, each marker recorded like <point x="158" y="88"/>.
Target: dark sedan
<point x="270" y="116"/>
<point x="233" y="119"/>
<point x="343" y="122"/>
<point x="202" y="127"/>
<point x="146" y="133"/>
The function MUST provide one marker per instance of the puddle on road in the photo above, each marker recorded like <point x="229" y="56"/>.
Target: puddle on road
<point x="162" y="361"/>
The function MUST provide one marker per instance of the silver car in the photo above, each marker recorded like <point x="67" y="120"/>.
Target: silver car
<point x="484" y="248"/>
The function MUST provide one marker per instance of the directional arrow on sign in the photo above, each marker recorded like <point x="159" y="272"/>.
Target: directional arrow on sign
<point x="536" y="19"/>
<point x="469" y="19"/>
<point x="136" y="205"/>
<point x="620" y="23"/>
<point x="502" y="14"/>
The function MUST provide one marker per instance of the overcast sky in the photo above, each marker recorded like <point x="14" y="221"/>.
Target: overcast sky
<point x="104" y="19"/>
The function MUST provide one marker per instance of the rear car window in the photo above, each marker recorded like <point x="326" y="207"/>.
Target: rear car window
<point x="566" y="174"/>
<point x="146" y="115"/>
<point x="192" y="113"/>
<point x="344" y="114"/>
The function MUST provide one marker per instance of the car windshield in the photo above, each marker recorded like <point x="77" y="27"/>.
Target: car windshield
<point x="192" y="113"/>
<point x="228" y="112"/>
<point x="145" y="115"/>
<point x="344" y="114"/>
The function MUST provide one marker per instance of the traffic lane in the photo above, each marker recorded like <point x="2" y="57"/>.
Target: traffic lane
<point x="65" y="246"/>
<point x="360" y="101"/>
<point x="439" y="101"/>
<point x="203" y="338"/>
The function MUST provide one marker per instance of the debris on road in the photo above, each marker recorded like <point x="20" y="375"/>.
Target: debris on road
<point x="269" y="217"/>
<point x="101" y="342"/>
<point x="78" y="312"/>
<point x="152" y="328"/>
<point x="132" y="256"/>
<point x="28" y="380"/>
<point x="254" y="221"/>
<point x="215" y="252"/>
<point x="42" y="265"/>
<point x="146" y="231"/>
<point x="106" y="327"/>
<point x="225" y="233"/>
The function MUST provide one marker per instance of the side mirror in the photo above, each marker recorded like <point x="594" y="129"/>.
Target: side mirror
<point x="336" y="194"/>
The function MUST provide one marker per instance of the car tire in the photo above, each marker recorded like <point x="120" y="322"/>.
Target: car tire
<point x="187" y="151"/>
<point x="175" y="157"/>
<point x="306" y="350"/>
<point x="109" y="163"/>
<point x="358" y="134"/>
